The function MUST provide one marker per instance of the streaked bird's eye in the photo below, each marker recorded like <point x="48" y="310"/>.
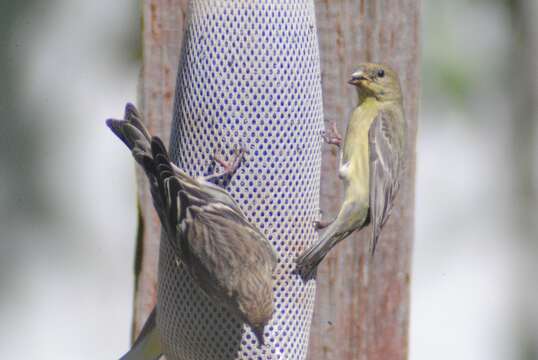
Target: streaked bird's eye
<point x="381" y="73"/>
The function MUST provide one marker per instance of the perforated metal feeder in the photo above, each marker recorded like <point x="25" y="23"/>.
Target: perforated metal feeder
<point x="249" y="76"/>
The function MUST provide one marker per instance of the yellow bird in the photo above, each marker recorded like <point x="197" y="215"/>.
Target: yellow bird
<point x="371" y="161"/>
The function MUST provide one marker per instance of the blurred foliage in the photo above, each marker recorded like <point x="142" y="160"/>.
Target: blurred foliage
<point x="456" y="81"/>
<point x="464" y="43"/>
<point x="19" y="136"/>
<point x="528" y="348"/>
<point x="35" y="127"/>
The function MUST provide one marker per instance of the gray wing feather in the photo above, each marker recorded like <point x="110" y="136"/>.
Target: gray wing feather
<point x="220" y="264"/>
<point x="386" y="155"/>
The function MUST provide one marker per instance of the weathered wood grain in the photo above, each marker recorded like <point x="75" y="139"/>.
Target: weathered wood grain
<point x="362" y="308"/>
<point x="162" y="31"/>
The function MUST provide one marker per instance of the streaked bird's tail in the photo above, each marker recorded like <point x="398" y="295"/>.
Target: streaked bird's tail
<point x="148" y="344"/>
<point x="152" y="155"/>
<point x="132" y="131"/>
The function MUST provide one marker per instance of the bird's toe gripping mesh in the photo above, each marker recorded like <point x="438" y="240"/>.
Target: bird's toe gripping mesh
<point x="249" y="76"/>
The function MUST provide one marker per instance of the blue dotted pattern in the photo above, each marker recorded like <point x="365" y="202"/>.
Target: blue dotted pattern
<point x="250" y="77"/>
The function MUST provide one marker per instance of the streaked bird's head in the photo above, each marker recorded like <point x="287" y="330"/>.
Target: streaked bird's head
<point x="376" y="80"/>
<point x="256" y="301"/>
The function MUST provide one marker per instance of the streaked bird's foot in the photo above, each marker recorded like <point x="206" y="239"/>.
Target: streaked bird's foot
<point x="228" y="166"/>
<point x="231" y="166"/>
<point x="332" y="136"/>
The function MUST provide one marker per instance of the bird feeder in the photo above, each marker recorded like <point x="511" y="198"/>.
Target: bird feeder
<point x="249" y="77"/>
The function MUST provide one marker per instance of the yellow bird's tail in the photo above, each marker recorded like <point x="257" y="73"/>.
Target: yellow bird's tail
<point x="309" y="260"/>
<point x="148" y="344"/>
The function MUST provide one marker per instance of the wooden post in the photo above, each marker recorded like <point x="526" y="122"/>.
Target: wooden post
<point x="362" y="309"/>
<point x="162" y="23"/>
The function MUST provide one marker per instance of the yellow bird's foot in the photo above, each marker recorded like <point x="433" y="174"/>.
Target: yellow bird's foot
<point x="321" y="224"/>
<point x="332" y="136"/>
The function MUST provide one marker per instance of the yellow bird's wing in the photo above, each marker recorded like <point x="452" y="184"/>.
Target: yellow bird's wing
<point x="386" y="137"/>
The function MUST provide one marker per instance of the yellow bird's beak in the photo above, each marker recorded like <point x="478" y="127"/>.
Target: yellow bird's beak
<point x="357" y="77"/>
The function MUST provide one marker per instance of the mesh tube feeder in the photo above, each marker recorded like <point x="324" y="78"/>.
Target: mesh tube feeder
<point x="249" y="77"/>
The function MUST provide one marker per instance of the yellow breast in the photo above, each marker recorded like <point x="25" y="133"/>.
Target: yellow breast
<point x="354" y="166"/>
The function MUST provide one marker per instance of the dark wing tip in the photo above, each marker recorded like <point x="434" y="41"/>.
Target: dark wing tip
<point x="111" y="123"/>
<point x="130" y="110"/>
<point x="160" y="154"/>
<point x="373" y="245"/>
<point x="157" y="145"/>
<point x="183" y="199"/>
<point x="114" y="124"/>
<point x="117" y="128"/>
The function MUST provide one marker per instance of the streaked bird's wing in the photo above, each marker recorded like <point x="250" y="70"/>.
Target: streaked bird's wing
<point x="222" y="263"/>
<point x="385" y="147"/>
<point x="219" y="194"/>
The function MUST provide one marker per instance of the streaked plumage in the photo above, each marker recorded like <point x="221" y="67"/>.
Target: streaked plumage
<point x="371" y="162"/>
<point x="227" y="257"/>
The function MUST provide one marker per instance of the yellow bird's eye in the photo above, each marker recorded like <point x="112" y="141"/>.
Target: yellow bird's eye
<point x="380" y="73"/>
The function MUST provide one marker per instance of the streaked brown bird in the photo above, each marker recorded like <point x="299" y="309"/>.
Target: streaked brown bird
<point x="371" y="161"/>
<point x="227" y="256"/>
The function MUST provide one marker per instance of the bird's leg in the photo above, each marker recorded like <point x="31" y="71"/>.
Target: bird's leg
<point x="321" y="224"/>
<point x="332" y="136"/>
<point x="229" y="167"/>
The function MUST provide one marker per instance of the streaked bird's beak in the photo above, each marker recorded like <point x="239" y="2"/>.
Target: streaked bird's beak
<point x="357" y="77"/>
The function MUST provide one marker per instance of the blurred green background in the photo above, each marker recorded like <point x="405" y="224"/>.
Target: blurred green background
<point x="67" y="228"/>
